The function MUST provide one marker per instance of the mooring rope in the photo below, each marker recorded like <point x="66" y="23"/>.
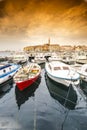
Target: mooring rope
<point x="35" y="114"/>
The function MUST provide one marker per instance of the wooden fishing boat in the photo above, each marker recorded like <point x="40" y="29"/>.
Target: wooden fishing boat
<point x="27" y="75"/>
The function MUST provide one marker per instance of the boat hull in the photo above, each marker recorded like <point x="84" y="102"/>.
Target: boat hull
<point x="61" y="81"/>
<point x="24" y="84"/>
<point x="7" y="76"/>
<point x="62" y="76"/>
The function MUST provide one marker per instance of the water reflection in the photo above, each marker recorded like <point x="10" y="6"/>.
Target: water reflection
<point x="6" y="87"/>
<point x="83" y="86"/>
<point x="23" y="96"/>
<point x="66" y="96"/>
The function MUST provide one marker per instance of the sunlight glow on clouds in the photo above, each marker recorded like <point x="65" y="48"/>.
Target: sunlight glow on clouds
<point x="37" y="20"/>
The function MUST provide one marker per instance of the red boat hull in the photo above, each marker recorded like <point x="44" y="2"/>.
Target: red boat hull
<point x="24" y="84"/>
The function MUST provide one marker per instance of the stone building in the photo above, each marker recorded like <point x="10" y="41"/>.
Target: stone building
<point x="43" y="48"/>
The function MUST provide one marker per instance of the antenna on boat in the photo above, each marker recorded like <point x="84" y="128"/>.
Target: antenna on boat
<point x="67" y="112"/>
<point x="47" y="58"/>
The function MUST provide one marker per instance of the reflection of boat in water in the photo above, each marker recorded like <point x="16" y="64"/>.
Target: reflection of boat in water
<point x="83" y="72"/>
<point x="66" y="96"/>
<point x="6" y="88"/>
<point x="22" y="96"/>
<point x="83" y="86"/>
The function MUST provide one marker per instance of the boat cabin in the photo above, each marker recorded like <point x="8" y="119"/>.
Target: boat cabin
<point x="58" y="67"/>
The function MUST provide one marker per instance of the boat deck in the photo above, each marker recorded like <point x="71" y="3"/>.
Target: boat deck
<point x="26" y="73"/>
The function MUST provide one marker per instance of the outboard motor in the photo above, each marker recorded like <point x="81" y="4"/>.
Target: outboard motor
<point x="31" y="58"/>
<point x="47" y="58"/>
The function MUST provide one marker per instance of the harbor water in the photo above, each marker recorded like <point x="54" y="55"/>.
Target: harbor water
<point x="45" y="105"/>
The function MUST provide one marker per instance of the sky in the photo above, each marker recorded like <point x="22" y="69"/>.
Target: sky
<point x="33" y="22"/>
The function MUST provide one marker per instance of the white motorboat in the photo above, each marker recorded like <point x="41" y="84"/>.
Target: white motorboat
<point x="83" y="72"/>
<point x="62" y="73"/>
<point x="19" y="58"/>
<point x="54" y="57"/>
<point x="7" y="71"/>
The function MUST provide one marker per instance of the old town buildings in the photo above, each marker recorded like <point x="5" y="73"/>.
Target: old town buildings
<point x="48" y="47"/>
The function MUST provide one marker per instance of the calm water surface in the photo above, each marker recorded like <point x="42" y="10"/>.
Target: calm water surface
<point x="44" y="106"/>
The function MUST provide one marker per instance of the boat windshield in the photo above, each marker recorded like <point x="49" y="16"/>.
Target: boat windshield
<point x="65" y="68"/>
<point x="57" y="68"/>
<point x="86" y="70"/>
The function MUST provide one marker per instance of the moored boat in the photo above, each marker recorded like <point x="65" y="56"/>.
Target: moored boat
<point x="62" y="73"/>
<point x="19" y="58"/>
<point x="83" y="72"/>
<point x="7" y="71"/>
<point x="27" y="75"/>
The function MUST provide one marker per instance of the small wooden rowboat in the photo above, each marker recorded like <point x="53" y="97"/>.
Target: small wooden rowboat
<point x="27" y="75"/>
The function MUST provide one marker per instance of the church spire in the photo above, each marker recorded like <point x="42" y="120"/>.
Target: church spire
<point x="49" y="41"/>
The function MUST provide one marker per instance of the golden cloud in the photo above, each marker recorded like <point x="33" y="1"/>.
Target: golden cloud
<point x="43" y="17"/>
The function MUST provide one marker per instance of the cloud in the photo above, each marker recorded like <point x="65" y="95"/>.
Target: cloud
<point x="43" y="17"/>
<point x="85" y="0"/>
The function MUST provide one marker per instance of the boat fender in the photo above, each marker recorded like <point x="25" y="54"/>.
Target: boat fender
<point x="10" y="76"/>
